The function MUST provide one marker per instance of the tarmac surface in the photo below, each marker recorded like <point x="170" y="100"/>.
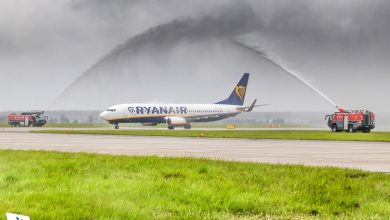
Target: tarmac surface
<point x="372" y="156"/>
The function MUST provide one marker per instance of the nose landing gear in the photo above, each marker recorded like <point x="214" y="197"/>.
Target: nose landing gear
<point x="116" y="126"/>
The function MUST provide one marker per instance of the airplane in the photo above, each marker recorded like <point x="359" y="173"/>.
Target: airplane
<point x="180" y="115"/>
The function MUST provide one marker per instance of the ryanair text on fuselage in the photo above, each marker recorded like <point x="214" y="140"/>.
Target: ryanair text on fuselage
<point x="157" y="110"/>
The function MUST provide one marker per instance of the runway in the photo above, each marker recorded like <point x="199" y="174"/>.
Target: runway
<point x="372" y="156"/>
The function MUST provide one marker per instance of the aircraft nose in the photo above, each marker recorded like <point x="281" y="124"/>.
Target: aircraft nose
<point x="103" y="116"/>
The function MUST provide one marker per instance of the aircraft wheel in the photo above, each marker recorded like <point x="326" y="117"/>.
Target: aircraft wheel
<point x="116" y="126"/>
<point x="188" y="126"/>
<point x="171" y="127"/>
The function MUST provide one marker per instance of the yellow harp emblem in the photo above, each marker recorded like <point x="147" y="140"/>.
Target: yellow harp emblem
<point x="240" y="91"/>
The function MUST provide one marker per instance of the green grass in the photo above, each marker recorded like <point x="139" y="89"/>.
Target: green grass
<point x="76" y="125"/>
<point x="66" y="125"/>
<point x="253" y="134"/>
<point x="49" y="185"/>
<point x="223" y="125"/>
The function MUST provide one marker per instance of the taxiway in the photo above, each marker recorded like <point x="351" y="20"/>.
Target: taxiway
<point x="373" y="156"/>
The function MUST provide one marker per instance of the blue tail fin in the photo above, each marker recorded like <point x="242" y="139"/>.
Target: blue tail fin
<point x="237" y="97"/>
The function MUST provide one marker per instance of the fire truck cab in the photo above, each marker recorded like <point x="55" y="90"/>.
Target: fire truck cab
<point x="351" y="121"/>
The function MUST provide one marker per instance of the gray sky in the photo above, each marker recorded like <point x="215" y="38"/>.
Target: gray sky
<point x="341" y="47"/>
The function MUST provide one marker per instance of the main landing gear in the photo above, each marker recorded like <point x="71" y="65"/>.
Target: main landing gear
<point x="186" y="126"/>
<point x="116" y="126"/>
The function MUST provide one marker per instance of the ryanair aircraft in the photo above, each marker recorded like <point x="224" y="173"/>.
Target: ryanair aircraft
<point x="180" y="115"/>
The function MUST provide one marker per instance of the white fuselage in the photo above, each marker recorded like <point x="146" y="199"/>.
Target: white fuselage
<point x="180" y="114"/>
<point x="160" y="113"/>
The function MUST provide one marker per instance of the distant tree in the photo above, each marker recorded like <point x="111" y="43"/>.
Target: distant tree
<point x="64" y="119"/>
<point x="3" y="118"/>
<point x="90" y="119"/>
<point x="75" y="121"/>
<point x="278" y="121"/>
<point x="53" y="120"/>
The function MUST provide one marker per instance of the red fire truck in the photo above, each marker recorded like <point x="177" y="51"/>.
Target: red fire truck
<point x="27" y="119"/>
<point x="351" y="121"/>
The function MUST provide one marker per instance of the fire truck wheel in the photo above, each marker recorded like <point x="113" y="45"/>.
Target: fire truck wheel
<point x="350" y="128"/>
<point x="334" y="128"/>
<point x="367" y="130"/>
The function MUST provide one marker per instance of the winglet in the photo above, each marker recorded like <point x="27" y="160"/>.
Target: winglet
<point x="252" y="106"/>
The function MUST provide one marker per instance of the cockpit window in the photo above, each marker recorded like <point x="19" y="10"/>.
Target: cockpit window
<point x="111" y="110"/>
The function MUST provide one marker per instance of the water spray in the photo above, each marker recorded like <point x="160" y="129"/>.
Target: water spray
<point x="273" y="59"/>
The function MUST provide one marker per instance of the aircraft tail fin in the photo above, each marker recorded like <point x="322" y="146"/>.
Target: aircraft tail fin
<point x="237" y="96"/>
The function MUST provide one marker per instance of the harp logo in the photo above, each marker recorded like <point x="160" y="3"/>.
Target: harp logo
<point x="131" y="110"/>
<point x="240" y="91"/>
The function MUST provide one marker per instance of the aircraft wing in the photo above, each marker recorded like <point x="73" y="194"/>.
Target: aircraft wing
<point x="200" y="118"/>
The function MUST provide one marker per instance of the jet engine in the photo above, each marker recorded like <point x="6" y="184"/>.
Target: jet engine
<point x="177" y="121"/>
